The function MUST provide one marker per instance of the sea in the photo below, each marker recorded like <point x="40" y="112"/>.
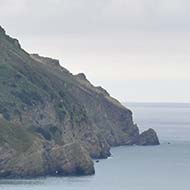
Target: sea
<point x="164" y="167"/>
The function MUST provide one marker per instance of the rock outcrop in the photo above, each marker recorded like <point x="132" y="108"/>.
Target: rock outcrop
<point x="24" y="155"/>
<point x="148" y="137"/>
<point x="64" y="120"/>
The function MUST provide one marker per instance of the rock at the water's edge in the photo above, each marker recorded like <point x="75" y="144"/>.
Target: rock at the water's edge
<point x="148" y="137"/>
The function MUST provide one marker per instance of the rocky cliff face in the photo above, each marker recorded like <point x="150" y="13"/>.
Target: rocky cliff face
<point x="64" y="119"/>
<point x="24" y="155"/>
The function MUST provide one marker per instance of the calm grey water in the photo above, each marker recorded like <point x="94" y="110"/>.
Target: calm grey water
<point x="164" y="167"/>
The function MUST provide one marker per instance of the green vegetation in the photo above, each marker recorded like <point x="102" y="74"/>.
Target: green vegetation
<point x="15" y="136"/>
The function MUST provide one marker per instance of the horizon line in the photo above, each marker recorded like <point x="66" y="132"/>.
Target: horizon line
<point x="156" y="102"/>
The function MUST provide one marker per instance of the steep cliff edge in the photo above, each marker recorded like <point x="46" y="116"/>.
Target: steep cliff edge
<point x="64" y="119"/>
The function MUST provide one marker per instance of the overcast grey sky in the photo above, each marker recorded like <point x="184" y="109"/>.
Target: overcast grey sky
<point x="139" y="50"/>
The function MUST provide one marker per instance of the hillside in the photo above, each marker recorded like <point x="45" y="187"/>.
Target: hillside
<point x="53" y="122"/>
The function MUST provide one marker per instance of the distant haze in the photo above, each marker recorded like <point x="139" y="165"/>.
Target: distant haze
<point x="139" y="50"/>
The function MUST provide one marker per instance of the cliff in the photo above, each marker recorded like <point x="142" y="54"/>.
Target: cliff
<point x="54" y="120"/>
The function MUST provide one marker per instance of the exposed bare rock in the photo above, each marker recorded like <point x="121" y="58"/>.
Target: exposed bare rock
<point x="70" y="159"/>
<point x="148" y="137"/>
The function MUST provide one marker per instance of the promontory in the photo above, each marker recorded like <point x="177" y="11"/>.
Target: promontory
<point x="53" y="122"/>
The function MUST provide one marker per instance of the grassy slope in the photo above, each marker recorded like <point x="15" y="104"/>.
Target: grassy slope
<point x="15" y="136"/>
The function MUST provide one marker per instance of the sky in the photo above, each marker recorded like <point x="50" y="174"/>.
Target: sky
<point x="139" y="50"/>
